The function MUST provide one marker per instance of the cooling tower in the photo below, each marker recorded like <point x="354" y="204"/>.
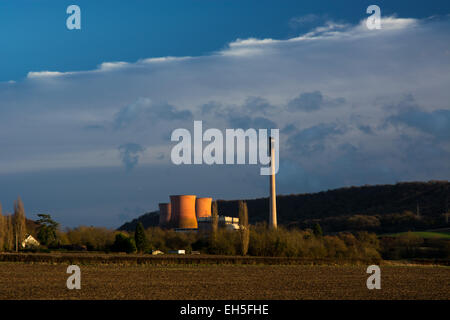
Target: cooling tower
<point x="203" y="207"/>
<point x="183" y="212"/>
<point x="164" y="214"/>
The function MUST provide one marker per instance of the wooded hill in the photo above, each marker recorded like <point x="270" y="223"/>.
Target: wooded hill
<point x="415" y="204"/>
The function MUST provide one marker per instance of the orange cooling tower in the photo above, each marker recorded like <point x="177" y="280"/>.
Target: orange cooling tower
<point x="203" y="207"/>
<point x="164" y="214"/>
<point x="183" y="211"/>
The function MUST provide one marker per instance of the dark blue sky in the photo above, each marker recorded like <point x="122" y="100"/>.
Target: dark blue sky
<point x="33" y="35"/>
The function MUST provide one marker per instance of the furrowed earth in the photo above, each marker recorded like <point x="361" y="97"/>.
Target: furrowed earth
<point x="221" y="282"/>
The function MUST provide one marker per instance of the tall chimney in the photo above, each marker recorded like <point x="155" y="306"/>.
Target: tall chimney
<point x="273" y="193"/>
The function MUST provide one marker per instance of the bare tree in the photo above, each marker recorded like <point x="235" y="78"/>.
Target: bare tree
<point x="6" y="232"/>
<point x="9" y="233"/>
<point x="19" y="223"/>
<point x="244" y="230"/>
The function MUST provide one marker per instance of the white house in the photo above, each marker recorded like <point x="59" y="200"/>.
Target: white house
<point x="30" y="241"/>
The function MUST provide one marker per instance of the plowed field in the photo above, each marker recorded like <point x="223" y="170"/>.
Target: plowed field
<point x="48" y="281"/>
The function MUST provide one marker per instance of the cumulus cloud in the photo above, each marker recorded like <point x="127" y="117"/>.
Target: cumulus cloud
<point x="313" y="139"/>
<point x="107" y="66"/>
<point x="435" y="123"/>
<point x="259" y="105"/>
<point x="130" y="153"/>
<point x="44" y="74"/>
<point x="145" y="109"/>
<point x="366" y="129"/>
<point x="308" y="101"/>
<point x="313" y="101"/>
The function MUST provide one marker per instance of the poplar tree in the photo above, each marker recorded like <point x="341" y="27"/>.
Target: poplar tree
<point x="9" y="233"/>
<point x="19" y="223"/>
<point x="244" y="230"/>
<point x="214" y="220"/>
<point x="2" y="230"/>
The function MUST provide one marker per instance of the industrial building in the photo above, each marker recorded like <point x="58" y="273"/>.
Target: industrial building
<point x="229" y="223"/>
<point x="187" y="213"/>
<point x="183" y="212"/>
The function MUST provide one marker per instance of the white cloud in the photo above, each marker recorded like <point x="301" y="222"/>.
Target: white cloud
<point x="163" y="59"/>
<point x="44" y="74"/>
<point x="369" y="72"/>
<point x="107" y="66"/>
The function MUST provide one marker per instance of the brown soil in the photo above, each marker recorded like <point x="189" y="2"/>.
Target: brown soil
<point x="48" y="281"/>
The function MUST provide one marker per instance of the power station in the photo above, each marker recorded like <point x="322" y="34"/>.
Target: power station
<point x="189" y="213"/>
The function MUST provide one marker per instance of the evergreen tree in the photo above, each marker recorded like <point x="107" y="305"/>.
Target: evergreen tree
<point x="140" y="238"/>
<point x="47" y="230"/>
<point x="317" y="230"/>
<point x="123" y="243"/>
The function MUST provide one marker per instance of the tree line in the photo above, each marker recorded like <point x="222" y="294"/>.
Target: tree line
<point x="387" y="223"/>
<point x="251" y="239"/>
<point x="254" y="240"/>
<point x="431" y="198"/>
